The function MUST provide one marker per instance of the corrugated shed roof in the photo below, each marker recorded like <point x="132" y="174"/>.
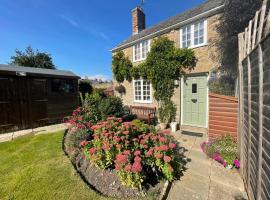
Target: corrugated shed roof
<point x="203" y="8"/>
<point x="40" y="71"/>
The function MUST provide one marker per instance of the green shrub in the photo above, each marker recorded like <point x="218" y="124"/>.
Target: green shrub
<point x="90" y="107"/>
<point x="111" y="106"/>
<point x="85" y="86"/>
<point x="143" y="127"/>
<point x="167" y="112"/>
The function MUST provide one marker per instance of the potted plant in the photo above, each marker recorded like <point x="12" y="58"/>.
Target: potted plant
<point x="166" y="113"/>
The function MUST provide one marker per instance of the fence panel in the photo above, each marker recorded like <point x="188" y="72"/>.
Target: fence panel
<point x="266" y="120"/>
<point x="254" y="104"/>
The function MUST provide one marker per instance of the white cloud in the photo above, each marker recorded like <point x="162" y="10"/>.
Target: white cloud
<point x="69" y="20"/>
<point x="99" y="77"/>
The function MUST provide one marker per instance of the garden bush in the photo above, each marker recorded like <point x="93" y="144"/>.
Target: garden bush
<point x="167" y="112"/>
<point x="133" y="153"/>
<point x="85" y="86"/>
<point x="223" y="150"/>
<point x="111" y="106"/>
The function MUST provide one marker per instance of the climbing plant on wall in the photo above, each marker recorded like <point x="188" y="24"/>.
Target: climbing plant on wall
<point x="164" y="64"/>
<point x="121" y="67"/>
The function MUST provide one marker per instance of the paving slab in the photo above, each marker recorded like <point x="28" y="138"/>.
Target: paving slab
<point x="223" y="192"/>
<point x="198" y="167"/>
<point x="204" y="178"/>
<point x="226" y="177"/>
<point x="182" y="193"/>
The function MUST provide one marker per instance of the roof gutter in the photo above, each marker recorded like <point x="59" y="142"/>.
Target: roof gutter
<point x="209" y="12"/>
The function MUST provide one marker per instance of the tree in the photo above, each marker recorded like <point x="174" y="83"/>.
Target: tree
<point x="233" y="21"/>
<point x="32" y="58"/>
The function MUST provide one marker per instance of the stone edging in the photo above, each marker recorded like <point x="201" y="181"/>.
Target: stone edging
<point x="36" y="131"/>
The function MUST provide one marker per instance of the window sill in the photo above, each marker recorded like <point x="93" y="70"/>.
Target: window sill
<point x="197" y="46"/>
<point x="134" y="61"/>
<point x="143" y="102"/>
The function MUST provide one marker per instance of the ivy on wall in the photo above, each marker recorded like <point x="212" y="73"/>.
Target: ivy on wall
<point x="164" y="64"/>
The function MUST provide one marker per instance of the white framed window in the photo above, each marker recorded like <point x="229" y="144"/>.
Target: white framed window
<point x="140" y="50"/>
<point x="194" y="35"/>
<point x="142" y="91"/>
<point x="186" y="36"/>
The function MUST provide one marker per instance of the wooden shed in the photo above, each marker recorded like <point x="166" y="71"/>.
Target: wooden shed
<point x="33" y="97"/>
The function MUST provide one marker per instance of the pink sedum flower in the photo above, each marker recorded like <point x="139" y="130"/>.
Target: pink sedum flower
<point x="172" y="145"/>
<point x="137" y="153"/>
<point x="167" y="159"/>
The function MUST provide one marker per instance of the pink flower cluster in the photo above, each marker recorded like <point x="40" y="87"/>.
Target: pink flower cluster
<point x="129" y="149"/>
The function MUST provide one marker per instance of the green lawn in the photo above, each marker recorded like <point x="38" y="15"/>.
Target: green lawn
<point x="35" y="167"/>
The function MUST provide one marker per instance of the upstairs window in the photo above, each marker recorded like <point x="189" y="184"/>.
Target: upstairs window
<point x="186" y="36"/>
<point x="194" y="35"/>
<point x="142" y="91"/>
<point x="140" y="51"/>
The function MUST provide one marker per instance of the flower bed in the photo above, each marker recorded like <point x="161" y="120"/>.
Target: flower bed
<point x="132" y="153"/>
<point x="222" y="150"/>
<point x="128" y="157"/>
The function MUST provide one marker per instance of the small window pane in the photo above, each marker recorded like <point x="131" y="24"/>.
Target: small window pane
<point x="62" y="86"/>
<point x="186" y="36"/>
<point x="194" y="88"/>
<point x="199" y="33"/>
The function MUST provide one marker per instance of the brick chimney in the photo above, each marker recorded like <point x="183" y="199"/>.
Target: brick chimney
<point x="138" y="20"/>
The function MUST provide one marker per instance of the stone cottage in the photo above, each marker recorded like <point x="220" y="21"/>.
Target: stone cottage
<point x="196" y="29"/>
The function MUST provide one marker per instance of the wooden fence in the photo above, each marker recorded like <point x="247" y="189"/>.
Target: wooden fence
<point x="223" y="115"/>
<point x="254" y="104"/>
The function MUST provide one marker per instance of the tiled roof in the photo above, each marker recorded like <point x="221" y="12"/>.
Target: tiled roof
<point x="39" y="71"/>
<point x="203" y="8"/>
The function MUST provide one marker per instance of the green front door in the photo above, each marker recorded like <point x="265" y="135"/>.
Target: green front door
<point x="195" y="101"/>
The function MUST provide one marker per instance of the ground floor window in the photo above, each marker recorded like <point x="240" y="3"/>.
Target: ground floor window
<point x="142" y="91"/>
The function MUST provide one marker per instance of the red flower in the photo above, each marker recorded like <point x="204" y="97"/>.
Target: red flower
<point x="162" y="139"/>
<point x="150" y="152"/>
<point x="118" y="146"/>
<point x="137" y="159"/>
<point x="157" y="148"/>
<point x="121" y="158"/>
<point x="128" y="168"/>
<point x="127" y="152"/>
<point x="119" y="119"/>
<point x="158" y="155"/>
<point x="137" y="153"/>
<point x="92" y="150"/>
<point x="172" y="145"/>
<point x="136" y="167"/>
<point x="167" y="159"/>
<point x="84" y="143"/>
<point x="126" y="132"/>
<point x="116" y="139"/>
<point x="164" y="147"/>
<point x="80" y="118"/>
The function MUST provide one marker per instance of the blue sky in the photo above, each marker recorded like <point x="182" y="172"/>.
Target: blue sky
<point x="77" y="33"/>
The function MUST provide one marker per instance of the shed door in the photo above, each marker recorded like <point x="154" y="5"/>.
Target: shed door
<point x="39" y="101"/>
<point x="195" y="101"/>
